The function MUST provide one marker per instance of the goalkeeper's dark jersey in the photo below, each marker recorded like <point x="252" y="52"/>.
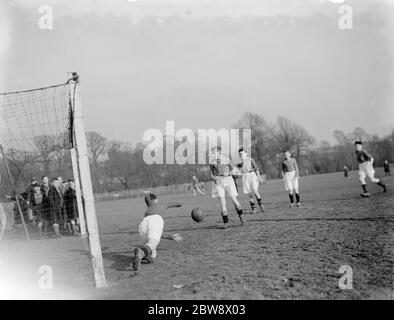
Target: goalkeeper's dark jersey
<point x="156" y="208"/>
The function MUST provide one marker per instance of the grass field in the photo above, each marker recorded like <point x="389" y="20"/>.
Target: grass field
<point x="281" y="254"/>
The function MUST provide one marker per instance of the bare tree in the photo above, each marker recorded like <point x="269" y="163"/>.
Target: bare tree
<point x="341" y="138"/>
<point x="46" y="145"/>
<point x="62" y="155"/>
<point x="19" y="163"/>
<point x="286" y="135"/>
<point x="97" y="145"/>
<point x="261" y="136"/>
<point x="125" y="164"/>
<point x="291" y="136"/>
<point x="360" y="134"/>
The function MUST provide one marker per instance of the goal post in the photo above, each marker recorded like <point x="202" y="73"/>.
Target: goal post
<point x="78" y="188"/>
<point x="86" y="182"/>
<point x="42" y="140"/>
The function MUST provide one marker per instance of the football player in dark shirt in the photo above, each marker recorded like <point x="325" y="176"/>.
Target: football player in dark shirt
<point x="346" y="172"/>
<point x="250" y="179"/>
<point x="365" y="161"/>
<point x="386" y="167"/>
<point x="220" y="168"/>
<point x="291" y="176"/>
<point x="151" y="231"/>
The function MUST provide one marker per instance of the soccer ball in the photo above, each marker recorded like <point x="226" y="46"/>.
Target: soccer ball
<point x="197" y="214"/>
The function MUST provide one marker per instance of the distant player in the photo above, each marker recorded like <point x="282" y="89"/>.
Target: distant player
<point x="196" y="187"/>
<point x="151" y="231"/>
<point x="386" y="167"/>
<point x="223" y="183"/>
<point x="290" y="177"/>
<point x="365" y="161"/>
<point x="250" y="180"/>
<point x="346" y="172"/>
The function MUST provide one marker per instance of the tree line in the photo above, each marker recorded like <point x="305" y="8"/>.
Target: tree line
<point x="118" y="165"/>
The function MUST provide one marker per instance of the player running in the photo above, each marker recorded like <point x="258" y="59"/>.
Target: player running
<point x="250" y="180"/>
<point x="290" y="177"/>
<point x="221" y="167"/>
<point x="151" y="231"/>
<point x="365" y="161"/>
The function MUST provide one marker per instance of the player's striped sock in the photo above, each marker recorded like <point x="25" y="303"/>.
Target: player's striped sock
<point x="225" y="216"/>
<point x="380" y="183"/>
<point x="240" y="213"/>
<point x="147" y="251"/>
<point x="298" y="197"/>
<point x="252" y="204"/>
<point x="383" y="185"/>
<point x="365" y="188"/>
<point x="291" y="196"/>
<point x="261" y="205"/>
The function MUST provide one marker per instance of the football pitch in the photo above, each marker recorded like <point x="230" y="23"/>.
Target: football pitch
<point x="283" y="253"/>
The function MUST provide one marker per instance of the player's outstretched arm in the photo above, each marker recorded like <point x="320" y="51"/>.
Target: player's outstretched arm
<point x="174" y="205"/>
<point x="177" y="237"/>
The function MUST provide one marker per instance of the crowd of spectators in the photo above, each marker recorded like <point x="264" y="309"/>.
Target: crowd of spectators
<point x="51" y="205"/>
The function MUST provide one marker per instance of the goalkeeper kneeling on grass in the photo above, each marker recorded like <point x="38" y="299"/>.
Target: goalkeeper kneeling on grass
<point x="151" y="231"/>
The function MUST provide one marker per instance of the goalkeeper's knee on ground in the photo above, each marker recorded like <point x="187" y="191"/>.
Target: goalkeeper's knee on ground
<point x="147" y="252"/>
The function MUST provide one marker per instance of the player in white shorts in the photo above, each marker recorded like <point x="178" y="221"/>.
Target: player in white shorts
<point x="290" y="177"/>
<point x="250" y="179"/>
<point x="223" y="183"/>
<point x="151" y="231"/>
<point x="365" y="161"/>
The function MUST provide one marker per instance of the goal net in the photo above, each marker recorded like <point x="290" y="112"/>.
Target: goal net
<point x="45" y="183"/>
<point x="36" y="135"/>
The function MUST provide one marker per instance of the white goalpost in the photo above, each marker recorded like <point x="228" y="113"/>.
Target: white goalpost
<point x="42" y="133"/>
<point x="81" y="167"/>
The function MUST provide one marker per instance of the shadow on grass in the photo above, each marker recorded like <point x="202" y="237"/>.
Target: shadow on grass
<point x="166" y="230"/>
<point x="321" y="219"/>
<point x="120" y="260"/>
<point x="263" y="219"/>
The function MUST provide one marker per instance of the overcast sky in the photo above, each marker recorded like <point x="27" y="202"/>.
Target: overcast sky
<point x="203" y="63"/>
